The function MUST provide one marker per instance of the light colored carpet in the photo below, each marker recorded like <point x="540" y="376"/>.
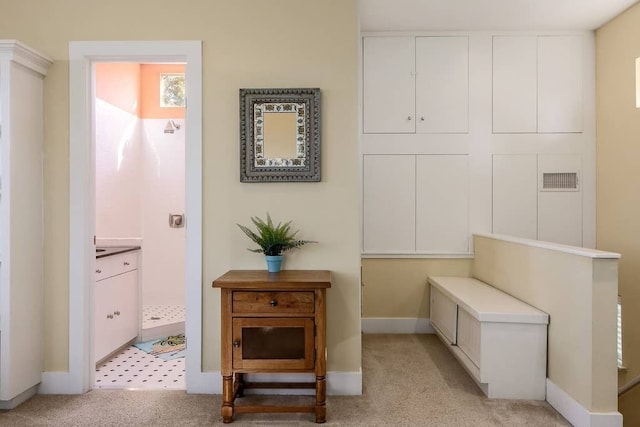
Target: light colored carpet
<point x="409" y="380"/>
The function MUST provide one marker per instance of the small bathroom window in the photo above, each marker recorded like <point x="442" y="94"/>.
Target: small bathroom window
<point x="172" y="90"/>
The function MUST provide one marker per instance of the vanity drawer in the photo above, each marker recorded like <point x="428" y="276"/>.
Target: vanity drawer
<point x="115" y="264"/>
<point x="273" y="302"/>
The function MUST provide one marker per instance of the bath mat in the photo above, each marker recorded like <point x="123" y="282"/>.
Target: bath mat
<point x="168" y="348"/>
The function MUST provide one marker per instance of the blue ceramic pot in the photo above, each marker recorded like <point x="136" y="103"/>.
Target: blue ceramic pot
<point x="273" y="263"/>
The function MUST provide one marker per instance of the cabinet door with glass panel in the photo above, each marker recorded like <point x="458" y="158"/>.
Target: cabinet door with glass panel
<point x="273" y="343"/>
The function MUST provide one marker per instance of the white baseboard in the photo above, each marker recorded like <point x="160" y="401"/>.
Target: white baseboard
<point x="22" y="397"/>
<point x="344" y="383"/>
<point x="396" y="325"/>
<point x="204" y="383"/>
<point x="58" y="383"/>
<point x="577" y="414"/>
<point x="338" y="383"/>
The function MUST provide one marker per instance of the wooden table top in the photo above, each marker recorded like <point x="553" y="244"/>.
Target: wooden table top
<point x="285" y="279"/>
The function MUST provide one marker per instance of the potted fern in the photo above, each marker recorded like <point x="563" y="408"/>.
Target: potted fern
<point x="273" y="240"/>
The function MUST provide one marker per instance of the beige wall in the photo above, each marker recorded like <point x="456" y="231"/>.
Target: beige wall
<point x="618" y="175"/>
<point x="246" y="43"/>
<point x="579" y="294"/>
<point x="398" y="287"/>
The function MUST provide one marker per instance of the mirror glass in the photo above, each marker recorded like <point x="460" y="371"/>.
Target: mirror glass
<point x="280" y="134"/>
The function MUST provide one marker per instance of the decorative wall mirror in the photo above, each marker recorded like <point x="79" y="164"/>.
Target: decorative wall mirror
<point x="279" y="135"/>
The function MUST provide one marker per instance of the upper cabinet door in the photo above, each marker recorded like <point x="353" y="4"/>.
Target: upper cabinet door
<point x="442" y="84"/>
<point x="389" y="84"/>
<point x="559" y="84"/>
<point x="514" y="84"/>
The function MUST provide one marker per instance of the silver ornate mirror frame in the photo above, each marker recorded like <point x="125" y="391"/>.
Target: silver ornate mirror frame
<point x="280" y="135"/>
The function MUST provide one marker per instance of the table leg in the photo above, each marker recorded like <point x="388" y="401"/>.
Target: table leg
<point x="227" y="399"/>
<point x="321" y="395"/>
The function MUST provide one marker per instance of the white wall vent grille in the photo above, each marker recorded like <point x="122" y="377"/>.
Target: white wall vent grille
<point x="560" y="181"/>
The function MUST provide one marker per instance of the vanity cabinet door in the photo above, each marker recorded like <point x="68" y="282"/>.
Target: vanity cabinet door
<point x="125" y="307"/>
<point x="115" y="303"/>
<point x="104" y="332"/>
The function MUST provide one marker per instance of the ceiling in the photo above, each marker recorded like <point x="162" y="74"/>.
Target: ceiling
<point x="441" y="15"/>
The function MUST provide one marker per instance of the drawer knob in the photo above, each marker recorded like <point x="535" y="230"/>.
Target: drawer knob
<point x="116" y="313"/>
<point x="126" y="263"/>
<point x="236" y="344"/>
<point x="98" y="271"/>
<point x="273" y="302"/>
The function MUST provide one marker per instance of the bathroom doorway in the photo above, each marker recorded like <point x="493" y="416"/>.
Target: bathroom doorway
<point x="82" y="252"/>
<point x="138" y="118"/>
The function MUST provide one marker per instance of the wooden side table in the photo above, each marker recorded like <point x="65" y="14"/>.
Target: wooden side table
<point x="273" y="323"/>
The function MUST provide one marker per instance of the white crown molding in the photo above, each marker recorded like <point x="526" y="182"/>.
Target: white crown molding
<point x="22" y="54"/>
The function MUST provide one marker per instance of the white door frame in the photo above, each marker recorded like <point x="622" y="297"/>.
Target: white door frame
<point x="82" y="205"/>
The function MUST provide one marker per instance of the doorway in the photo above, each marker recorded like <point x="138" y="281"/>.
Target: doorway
<point x="139" y="127"/>
<point x="82" y="166"/>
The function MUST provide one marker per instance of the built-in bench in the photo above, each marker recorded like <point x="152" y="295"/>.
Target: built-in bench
<point x="500" y="340"/>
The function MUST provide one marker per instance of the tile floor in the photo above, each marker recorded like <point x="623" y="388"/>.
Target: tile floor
<point x="160" y="315"/>
<point x="134" y="369"/>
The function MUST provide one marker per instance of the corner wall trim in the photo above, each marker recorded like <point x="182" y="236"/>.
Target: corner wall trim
<point x="58" y="382"/>
<point x="397" y="325"/>
<point x="577" y="414"/>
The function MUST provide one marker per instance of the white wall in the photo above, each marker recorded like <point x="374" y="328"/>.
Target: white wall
<point x="118" y="173"/>
<point x="162" y="192"/>
<point x="139" y="181"/>
<point x="578" y="289"/>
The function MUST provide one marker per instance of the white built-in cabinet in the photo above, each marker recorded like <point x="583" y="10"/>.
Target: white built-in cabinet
<point x="537" y="84"/>
<point x="476" y="132"/>
<point x="115" y="303"/>
<point x="21" y="221"/>
<point x="500" y="340"/>
<point x="416" y="84"/>
<point x="416" y="203"/>
<point x="538" y="197"/>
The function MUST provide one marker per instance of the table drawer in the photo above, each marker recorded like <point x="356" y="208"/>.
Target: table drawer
<point x="273" y="302"/>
